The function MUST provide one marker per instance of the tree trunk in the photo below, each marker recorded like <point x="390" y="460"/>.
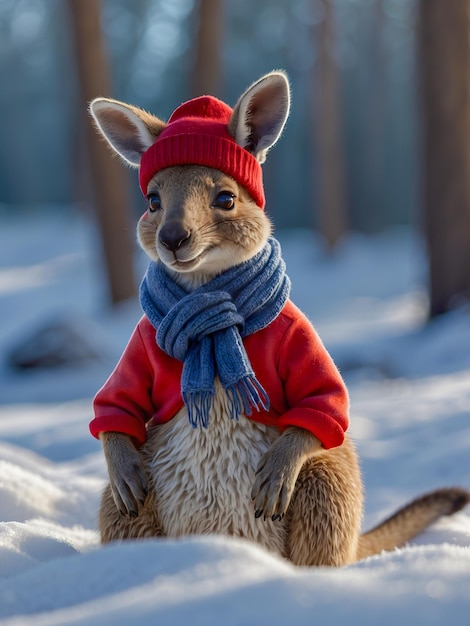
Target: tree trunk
<point x="374" y="131"/>
<point x="109" y="182"/>
<point x="206" y="73"/>
<point x="444" y="46"/>
<point x="328" y="134"/>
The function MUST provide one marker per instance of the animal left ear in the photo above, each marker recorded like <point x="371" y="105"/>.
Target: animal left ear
<point x="130" y="131"/>
<point x="260" y="114"/>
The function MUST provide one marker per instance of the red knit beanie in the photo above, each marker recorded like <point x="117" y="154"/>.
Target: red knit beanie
<point x="197" y="134"/>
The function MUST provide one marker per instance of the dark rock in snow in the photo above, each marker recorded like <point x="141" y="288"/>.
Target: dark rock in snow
<point x="64" y="342"/>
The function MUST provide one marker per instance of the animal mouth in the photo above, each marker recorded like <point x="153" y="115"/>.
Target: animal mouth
<point x="186" y="265"/>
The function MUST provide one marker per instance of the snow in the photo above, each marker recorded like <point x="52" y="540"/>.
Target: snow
<point x="410" y="397"/>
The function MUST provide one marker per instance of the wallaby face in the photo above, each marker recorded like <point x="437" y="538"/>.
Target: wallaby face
<point x="200" y="221"/>
<point x="283" y="475"/>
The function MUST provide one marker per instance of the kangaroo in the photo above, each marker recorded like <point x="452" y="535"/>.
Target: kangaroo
<point x="226" y="414"/>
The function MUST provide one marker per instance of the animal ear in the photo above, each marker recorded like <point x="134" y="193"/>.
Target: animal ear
<point x="130" y="131"/>
<point x="260" y="114"/>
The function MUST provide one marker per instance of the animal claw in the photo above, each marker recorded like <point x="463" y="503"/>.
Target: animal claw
<point x="258" y="513"/>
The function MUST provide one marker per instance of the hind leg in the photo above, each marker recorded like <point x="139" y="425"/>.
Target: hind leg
<point x="324" y="515"/>
<point x="115" y="526"/>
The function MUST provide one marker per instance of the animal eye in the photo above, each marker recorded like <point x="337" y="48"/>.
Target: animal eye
<point x="155" y="204"/>
<point x="225" y="201"/>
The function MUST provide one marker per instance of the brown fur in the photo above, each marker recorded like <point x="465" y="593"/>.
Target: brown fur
<point x="412" y="519"/>
<point x="281" y="490"/>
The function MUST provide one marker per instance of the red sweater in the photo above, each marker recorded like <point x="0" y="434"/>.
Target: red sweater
<point x="303" y="384"/>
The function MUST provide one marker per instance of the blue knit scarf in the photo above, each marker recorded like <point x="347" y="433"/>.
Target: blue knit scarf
<point x="204" y="328"/>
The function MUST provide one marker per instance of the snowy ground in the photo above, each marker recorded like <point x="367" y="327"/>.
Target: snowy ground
<point x="410" y="392"/>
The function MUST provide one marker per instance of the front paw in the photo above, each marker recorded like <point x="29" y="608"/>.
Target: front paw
<point x="273" y="487"/>
<point x="126" y="473"/>
<point x="129" y="488"/>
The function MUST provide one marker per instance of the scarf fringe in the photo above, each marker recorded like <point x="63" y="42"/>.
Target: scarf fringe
<point x="198" y="404"/>
<point x="243" y="396"/>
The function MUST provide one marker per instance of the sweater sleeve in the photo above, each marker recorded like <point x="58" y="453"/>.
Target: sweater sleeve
<point x="313" y="387"/>
<point x="124" y="403"/>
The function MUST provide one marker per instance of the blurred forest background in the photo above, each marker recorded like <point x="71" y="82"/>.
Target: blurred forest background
<point x="352" y="154"/>
<point x="151" y="46"/>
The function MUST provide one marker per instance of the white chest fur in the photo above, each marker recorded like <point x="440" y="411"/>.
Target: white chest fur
<point x="203" y="477"/>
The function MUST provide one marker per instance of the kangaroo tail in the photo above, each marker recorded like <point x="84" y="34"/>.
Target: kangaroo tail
<point x="411" y="520"/>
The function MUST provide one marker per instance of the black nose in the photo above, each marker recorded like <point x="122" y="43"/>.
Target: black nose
<point x="173" y="236"/>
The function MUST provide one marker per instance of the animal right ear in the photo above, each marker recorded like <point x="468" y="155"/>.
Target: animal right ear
<point x="260" y="114"/>
<point x="130" y="131"/>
